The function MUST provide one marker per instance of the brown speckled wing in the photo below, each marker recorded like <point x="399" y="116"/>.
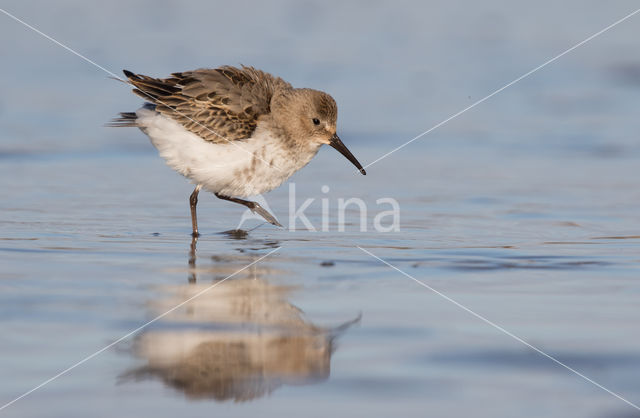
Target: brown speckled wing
<point x="216" y="104"/>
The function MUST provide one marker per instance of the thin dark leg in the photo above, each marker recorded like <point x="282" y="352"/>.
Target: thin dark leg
<point x="193" y="201"/>
<point x="254" y="206"/>
<point x="192" y="259"/>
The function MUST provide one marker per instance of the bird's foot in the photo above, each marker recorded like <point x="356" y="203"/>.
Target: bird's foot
<point x="266" y="215"/>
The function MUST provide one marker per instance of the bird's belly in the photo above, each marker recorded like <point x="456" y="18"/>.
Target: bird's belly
<point x="237" y="168"/>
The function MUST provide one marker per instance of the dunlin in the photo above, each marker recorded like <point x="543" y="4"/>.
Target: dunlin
<point x="235" y="132"/>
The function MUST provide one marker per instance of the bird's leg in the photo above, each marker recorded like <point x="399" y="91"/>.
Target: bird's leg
<point x="254" y="206"/>
<point x="193" y="201"/>
<point x="192" y="259"/>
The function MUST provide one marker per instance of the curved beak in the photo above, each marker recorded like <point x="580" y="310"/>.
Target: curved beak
<point x="342" y="149"/>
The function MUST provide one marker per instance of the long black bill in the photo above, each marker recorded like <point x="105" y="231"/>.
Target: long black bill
<point x="342" y="149"/>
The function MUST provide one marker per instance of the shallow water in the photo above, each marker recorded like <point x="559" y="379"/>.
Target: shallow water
<point x="524" y="210"/>
<point x="319" y="324"/>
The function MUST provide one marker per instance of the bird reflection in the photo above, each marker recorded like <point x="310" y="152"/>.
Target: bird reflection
<point x="238" y="341"/>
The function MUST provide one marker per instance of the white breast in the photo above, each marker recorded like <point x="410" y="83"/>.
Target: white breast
<point x="238" y="168"/>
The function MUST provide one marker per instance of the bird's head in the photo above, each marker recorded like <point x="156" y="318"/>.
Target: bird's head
<point x="309" y="118"/>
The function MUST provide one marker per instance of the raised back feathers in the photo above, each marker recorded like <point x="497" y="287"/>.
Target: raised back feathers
<point x="216" y="104"/>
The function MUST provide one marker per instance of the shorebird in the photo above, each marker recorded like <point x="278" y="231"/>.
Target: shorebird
<point x="235" y="132"/>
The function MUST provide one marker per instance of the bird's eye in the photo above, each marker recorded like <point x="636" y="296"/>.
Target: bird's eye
<point x="316" y="121"/>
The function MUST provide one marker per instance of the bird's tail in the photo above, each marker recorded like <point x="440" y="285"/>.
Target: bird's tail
<point x="126" y="120"/>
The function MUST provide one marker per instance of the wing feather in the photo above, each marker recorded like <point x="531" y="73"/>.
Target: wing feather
<point x="218" y="104"/>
